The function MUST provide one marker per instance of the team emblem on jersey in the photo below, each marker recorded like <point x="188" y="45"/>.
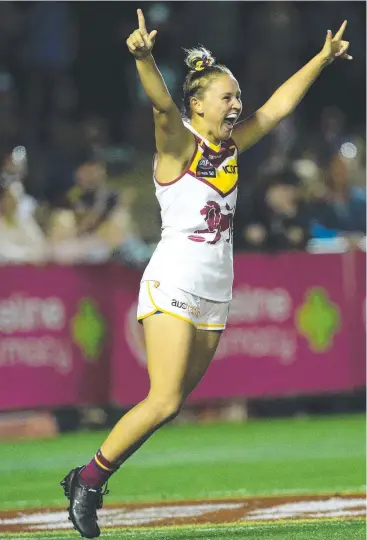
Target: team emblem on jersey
<point x="217" y="222"/>
<point x="205" y="169"/>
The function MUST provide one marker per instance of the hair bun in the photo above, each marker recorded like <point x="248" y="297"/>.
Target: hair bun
<point x="199" y="59"/>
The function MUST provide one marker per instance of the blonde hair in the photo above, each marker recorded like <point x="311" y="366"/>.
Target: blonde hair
<point x="202" y="69"/>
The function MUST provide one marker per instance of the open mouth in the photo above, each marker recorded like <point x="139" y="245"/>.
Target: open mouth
<point x="230" y="120"/>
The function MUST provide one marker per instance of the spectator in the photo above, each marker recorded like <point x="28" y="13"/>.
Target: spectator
<point x="14" y="170"/>
<point x="68" y="247"/>
<point x="335" y="209"/>
<point x="348" y="201"/>
<point x="275" y="217"/>
<point x="97" y="224"/>
<point x="323" y="219"/>
<point x="21" y="239"/>
<point x="112" y="237"/>
<point x="90" y="198"/>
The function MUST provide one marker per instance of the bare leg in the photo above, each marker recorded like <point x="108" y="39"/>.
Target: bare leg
<point x="169" y="345"/>
<point x="178" y="356"/>
<point x="206" y="343"/>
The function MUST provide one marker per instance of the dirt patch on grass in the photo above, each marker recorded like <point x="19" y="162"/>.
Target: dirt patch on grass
<point x="250" y="510"/>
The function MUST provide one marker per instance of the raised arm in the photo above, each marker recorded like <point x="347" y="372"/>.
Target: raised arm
<point x="172" y="137"/>
<point x="288" y="96"/>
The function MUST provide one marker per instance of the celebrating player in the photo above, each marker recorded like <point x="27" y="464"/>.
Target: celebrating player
<point x="187" y="286"/>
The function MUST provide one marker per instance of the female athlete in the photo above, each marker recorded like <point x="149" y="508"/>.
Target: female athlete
<point x="187" y="286"/>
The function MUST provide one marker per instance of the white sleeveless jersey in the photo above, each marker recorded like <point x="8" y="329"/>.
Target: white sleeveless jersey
<point x="195" y="253"/>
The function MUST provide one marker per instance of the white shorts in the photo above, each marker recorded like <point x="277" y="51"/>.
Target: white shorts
<point x="155" y="297"/>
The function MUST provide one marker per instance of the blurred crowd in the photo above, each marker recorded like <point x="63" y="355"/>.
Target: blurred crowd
<point x="311" y="196"/>
<point x="76" y="133"/>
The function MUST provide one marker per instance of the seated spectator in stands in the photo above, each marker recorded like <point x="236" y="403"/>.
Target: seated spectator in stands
<point x="114" y="238"/>
<point x="133" y="251"/>
<point x="97" y="224"/>
<point x="61" y="226"/>
<point x="274" y="218"/>
<point x="337" y="207"/>
<point x="347" y="200"/>
<point x="68" y="247"/>
<point x="323" y="218"/>
<point x="90" y="198"/>
<point x="13" y="173"/>
<point x="21" y="239"/>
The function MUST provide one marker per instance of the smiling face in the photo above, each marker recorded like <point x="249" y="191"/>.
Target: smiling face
<point x="217" y="107"/>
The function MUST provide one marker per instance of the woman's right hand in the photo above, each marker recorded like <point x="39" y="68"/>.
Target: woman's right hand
<point x="140" y="43"/>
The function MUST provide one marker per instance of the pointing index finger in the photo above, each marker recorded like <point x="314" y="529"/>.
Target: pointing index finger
<point x="340" y="32"/>
<point x="141" y="20"/>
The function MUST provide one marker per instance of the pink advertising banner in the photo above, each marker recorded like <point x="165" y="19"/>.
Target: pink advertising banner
<point x="53" y="336"/>
<point x="359" y="335"/>
<point x="287" y="333"/>
<point x="69" y="335"/>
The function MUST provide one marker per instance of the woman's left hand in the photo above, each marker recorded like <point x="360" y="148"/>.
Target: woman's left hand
<point x="335" y="47"/>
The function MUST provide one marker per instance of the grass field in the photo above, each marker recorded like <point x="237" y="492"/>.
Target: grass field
<point x="278" y="458"/>
<point x="326" y="531"/>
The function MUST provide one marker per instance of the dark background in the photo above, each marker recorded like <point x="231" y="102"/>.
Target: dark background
<point x="101" y="66"/>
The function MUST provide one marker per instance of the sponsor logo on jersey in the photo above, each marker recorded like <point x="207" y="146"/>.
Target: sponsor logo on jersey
<point x="205" y="169"/>
<point x="194" y="310"/>
<point x="230" y="169"/>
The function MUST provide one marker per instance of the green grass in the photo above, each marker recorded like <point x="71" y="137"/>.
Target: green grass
<point x="182" y="462"/>
<point x="306" y="455"/>
<point x="345" y="530"/>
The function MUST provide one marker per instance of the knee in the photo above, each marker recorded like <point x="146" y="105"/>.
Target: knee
<point x="165" y="408"/>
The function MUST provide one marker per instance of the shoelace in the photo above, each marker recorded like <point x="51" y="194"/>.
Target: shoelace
<point x="102" y="493"/>
<point x="94" y="496"/>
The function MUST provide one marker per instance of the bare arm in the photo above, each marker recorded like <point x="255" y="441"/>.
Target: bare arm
<point x="172" y="138"/>
<point x="288" y="96"/>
